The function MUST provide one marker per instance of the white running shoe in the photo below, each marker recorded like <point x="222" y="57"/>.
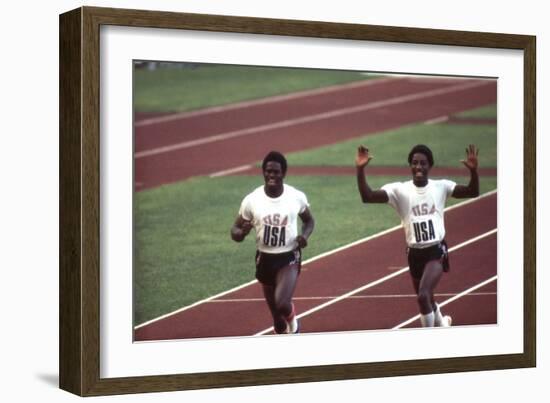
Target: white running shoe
<point x="293" y="326"/>
<point x="447" y="321"/>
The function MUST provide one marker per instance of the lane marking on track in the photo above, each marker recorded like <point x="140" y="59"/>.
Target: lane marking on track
<point x="434" y="121"/>
<point x="231" y="171"/>
<point x="462" y="294"/>
<point x="263" y="101"/>
<point x="185" y="308"/>
<point x="306" y="119"/>
<point x="396" y="228"/>
<point x="313" y="259"/>
<point x="377" y="282"/>
<point x="380" y="296"/>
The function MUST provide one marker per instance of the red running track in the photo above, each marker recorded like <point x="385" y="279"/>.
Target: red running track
<point x="382" y="306"/>
<point x="177" y="147"/>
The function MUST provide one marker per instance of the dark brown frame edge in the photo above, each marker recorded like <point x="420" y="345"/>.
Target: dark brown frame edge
<point x="79" y="200"/>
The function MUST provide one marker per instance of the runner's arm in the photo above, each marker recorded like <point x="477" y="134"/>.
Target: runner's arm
<point x="367" y="194"/>
<point x="308" y="223"/>
<point x="471" y="162"/>
<point x="240" y="229"/>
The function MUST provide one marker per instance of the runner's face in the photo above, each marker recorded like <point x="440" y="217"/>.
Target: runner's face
<point x="420" y="168"/>
<point x="273" y="175"/>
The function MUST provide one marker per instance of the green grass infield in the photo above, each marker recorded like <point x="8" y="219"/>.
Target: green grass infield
<point x="488" y="112"/>
<point x="183" y="251"/>
<point x="447" y="141"/>
<point x="194" y="86"/>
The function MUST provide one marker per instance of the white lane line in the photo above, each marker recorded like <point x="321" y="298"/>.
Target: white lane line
<point x="434" y="121"/>
<point x="306" y="119"/>
<point x="231" y="171"/>
<point x="221" y="294"/>
<point x="379" y="296"/>
<point x="397" y="227"/>
<point x="457" y="296"/>
<point x="313" y="259"/>
<point x="263" y="101"/>
<point x="376" y="282"/>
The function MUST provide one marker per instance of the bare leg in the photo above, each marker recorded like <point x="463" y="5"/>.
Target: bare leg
<point x="430" y="279"/>
<point x="279" y="323"/>
<point x="279" y="297"/>
<point x="284" y="289"/>
<point x="416" y="285"/>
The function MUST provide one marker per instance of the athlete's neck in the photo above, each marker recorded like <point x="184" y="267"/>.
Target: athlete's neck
<point x="273" y="191"/>
<point x="420" y="184"/>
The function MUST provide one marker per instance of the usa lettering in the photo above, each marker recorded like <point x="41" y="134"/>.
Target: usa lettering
<point x="275" y="219"/>
<point x="275" y="230"/>
<point x="274" y="236"/>
<point x="424" y="231"/>
<point x="423" y="209"/>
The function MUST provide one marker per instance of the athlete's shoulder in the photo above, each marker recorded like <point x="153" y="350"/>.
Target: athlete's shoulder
<point x="291" y="189"/>
<point x="258" y="190"/>
<point x="443" y="187"/>
<point x="442" y="183"/>
<point x="396" y="186"/>
<point x="254" y="194"/>
<point x="295" y="194"/>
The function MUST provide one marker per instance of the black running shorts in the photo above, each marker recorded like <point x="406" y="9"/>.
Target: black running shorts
<point x="269" y="264"/>
<point x="419" y="257"/>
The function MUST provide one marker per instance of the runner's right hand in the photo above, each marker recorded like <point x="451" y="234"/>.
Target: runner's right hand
<point x="363" y="158"/>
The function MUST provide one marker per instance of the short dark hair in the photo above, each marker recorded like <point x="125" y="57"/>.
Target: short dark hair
<point x="422" y="149"/>
<point x="275" y="156"/>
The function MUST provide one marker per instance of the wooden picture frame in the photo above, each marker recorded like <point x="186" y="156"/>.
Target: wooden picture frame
<point x="80" y="200"/>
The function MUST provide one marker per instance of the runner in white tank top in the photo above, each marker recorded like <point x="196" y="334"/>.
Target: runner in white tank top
<point x="273" y="211"/>
<point x="420" y="204"/>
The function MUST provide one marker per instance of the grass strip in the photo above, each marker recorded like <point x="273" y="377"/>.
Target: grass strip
<point x="193" y="86"/>
<point x="390" y="148"/>
<point x="183" y="251"/>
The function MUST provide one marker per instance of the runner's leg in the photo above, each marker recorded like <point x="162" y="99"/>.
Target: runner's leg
<point x="416" y="284"/>
<point x="284" y="290"/>
<point x="279" y="322"/>
<point x="432" y="274"/>
<point x="428" y="282"/>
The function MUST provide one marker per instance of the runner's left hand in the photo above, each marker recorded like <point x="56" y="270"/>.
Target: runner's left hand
<point x="302" y="242"/>
<point x="471" y="157"/>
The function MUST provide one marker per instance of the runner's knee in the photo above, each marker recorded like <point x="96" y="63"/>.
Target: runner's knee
<point x="424" y="298"/>
<point x="284" y="308"/>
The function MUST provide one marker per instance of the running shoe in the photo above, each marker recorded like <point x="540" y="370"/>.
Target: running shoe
<point x="293" y="326"/>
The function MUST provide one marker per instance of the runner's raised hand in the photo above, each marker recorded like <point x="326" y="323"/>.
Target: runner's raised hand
<point x="471" y="157"/>
<point x="363" y="157"/>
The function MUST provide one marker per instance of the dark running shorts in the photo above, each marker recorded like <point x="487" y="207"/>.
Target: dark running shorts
<point x="418" y="258"/>
<point x="269" y="264"/>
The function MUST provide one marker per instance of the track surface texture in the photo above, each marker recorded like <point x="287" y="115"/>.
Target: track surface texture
<point x="364" y="286"/>
<point x="171" y="148"/>
<point x="381" y="306"/>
